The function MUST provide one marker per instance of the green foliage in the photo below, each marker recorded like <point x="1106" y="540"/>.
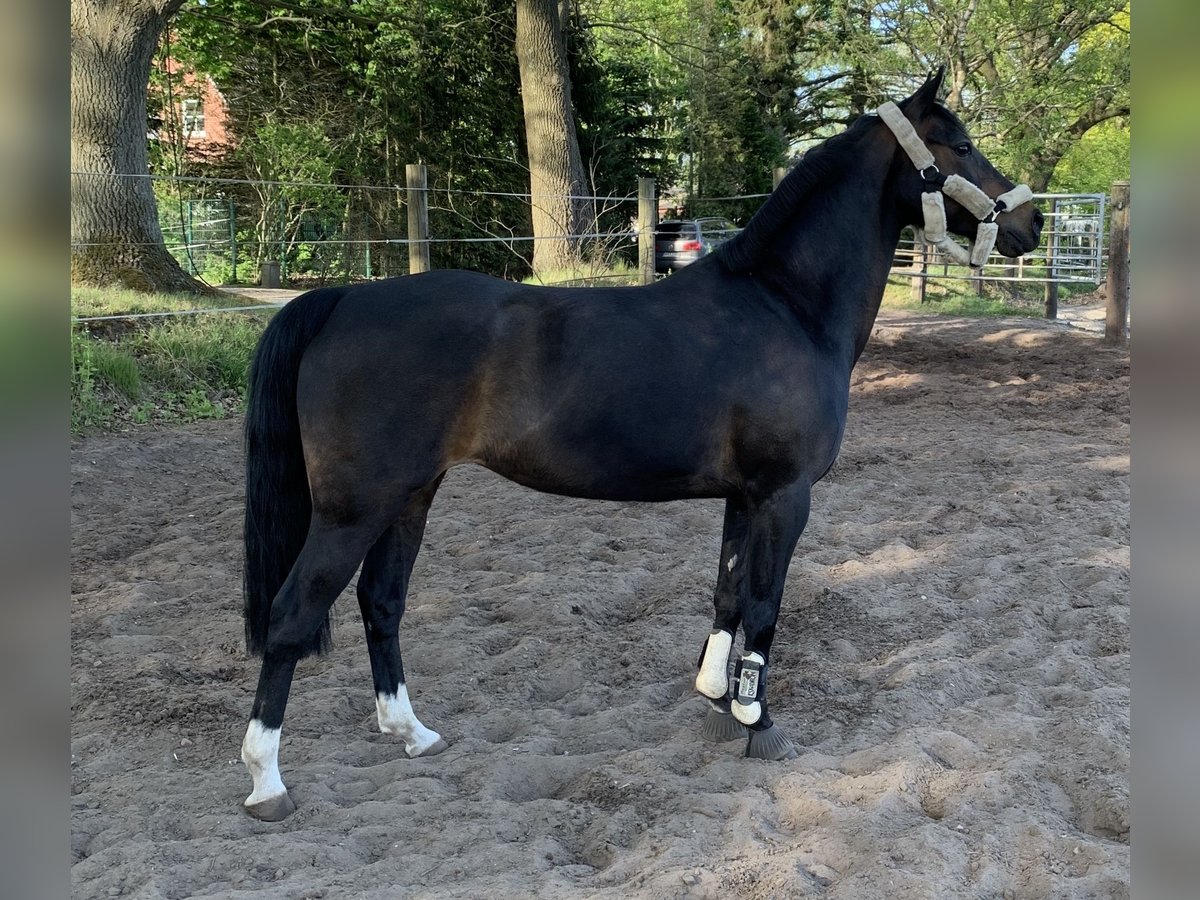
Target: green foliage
<point x="203" y="350"/>
<point x="705" y="87"/>
<point x="117" y="370"/>
<point x="293" y="165"/>
<point x="1029" y="77"/>
<point x="87" y="301"/>
<point x="87" y="407"/>
<point x="349" y="96"/>
<point x="955" y="299"/>
<point x="157" y="371"/>
<point x="1100" y="158"/>
<point x="706" y="96"/>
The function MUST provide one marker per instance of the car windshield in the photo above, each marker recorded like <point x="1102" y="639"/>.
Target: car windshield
<point x="718" y="227"/>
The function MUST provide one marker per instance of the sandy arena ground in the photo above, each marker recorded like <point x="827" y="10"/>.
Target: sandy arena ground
<point x="952" y="662"/>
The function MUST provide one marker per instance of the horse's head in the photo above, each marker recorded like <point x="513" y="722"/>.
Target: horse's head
<point x="954" y="153"/>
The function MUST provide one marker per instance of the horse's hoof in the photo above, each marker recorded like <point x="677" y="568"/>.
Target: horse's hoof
<point x="432" y="750"/>
<point x="770" y="743"/>
<point x="273" y="809"/>
<point x="721" y="726"/>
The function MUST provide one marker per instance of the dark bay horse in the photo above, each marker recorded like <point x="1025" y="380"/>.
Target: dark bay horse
<point x="728" y="379"/>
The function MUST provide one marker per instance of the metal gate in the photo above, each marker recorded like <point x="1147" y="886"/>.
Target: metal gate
<point x="1073" y="249"/>
<point x="1074" y="237"/>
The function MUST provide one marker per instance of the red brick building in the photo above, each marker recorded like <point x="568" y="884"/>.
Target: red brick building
<point x="197" y="117"/>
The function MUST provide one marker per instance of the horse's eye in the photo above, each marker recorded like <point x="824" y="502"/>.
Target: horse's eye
<point x="963" y="149"/>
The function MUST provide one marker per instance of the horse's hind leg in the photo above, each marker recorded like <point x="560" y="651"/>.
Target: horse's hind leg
<point x="712" y="679"/>
<point x="382" y="588"/>
<point x="323" y="568"/>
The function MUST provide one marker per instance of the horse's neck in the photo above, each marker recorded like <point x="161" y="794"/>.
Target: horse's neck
<point x="833" y="260"/>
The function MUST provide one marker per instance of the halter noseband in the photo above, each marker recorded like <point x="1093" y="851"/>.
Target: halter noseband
<point x="958" y="188"/>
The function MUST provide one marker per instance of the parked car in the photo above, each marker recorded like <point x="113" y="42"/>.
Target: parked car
<point x="678" y="242"/>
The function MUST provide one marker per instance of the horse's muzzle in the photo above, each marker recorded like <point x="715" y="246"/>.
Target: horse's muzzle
<point x="1015" y="240"/>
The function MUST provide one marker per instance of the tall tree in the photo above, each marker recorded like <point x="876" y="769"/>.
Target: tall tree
<point x="371" y="87"/>
<point x="724" y="76"/>
<point x="556" y="176"/>
<point x="115" y="234"/>
<point x="1031" y="78"/>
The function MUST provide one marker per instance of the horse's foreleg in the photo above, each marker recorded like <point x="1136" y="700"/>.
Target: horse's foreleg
<point x="775" y="526"/>
<point x="712" y="679"/>
<point x="322" y="570"/>
<point x="382" y="588"/>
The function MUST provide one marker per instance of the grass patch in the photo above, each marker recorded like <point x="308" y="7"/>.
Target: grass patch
<point x="160" y="370"/>
<point x="93" y="301"/>
<point x="952" y="298"/>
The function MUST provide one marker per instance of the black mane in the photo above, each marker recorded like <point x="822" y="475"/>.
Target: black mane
<point x="823" y="162"/>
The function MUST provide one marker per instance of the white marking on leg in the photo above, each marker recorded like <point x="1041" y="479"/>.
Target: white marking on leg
<point x="713" y="678"/>
<point x="260" y="753"/>
<point x="732" y="562"/>
<point x="396" y="717"/>
<point x="748" y="713"/>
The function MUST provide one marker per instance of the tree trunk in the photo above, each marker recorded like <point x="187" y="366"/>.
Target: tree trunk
<point x="556" y="177"/>
<point x="115" y="235"/>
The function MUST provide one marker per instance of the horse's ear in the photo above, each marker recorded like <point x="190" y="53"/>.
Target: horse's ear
<point x="926" y="96"/>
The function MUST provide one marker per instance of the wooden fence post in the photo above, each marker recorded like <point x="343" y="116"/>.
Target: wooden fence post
<point x="778" y="175"/>
<point x="647" y="223"/>
<point x="1116" y="312"/>
<point x="920" y="281"/>
<point x="417" y="181"/>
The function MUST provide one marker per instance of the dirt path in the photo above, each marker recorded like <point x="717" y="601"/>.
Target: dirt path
<point x="953" y="662"/>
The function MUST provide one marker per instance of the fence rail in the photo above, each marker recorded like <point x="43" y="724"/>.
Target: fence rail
<point x="225" y="230"/>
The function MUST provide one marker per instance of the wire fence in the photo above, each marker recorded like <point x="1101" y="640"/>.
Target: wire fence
<point x="224" y="229"/>
<point x="227" y="231"/>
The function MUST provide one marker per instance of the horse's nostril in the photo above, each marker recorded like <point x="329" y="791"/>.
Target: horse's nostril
<point x="1038" y="219"/>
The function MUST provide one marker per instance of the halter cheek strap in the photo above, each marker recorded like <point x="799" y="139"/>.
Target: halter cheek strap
<point x="968" y="195"/>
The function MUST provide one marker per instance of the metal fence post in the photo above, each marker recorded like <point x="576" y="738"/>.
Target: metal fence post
<point x="647" y="223"/>
<point x="233" y="279"/>
<point x="187" y="237"/>
<point x="282" y="254"/>
<point x="1116" y="302"/>
<point x="417" y="182"/>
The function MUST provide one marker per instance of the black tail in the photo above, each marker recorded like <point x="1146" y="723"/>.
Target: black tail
<point x="278" y="503"/>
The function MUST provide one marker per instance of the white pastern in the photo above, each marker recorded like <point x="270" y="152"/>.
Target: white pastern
<point x="748" y="713"/>
<point x="713" y="678"/>
<point x="396" y="717"/>
<point x="260" y="753"/>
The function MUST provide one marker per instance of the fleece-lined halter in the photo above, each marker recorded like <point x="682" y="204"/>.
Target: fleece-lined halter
<point x="971" y="197"/>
